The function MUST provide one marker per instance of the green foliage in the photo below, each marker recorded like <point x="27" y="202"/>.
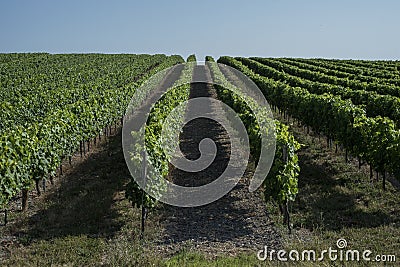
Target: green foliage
<point x="50" y="103"/>
<point x="191" y="58"/>
<point x="280" y="184"/>
<point x="376" y="102"/>
<point x="291" y="72"/>
<point x="156" y="147"/>
<point x="210" y="59"/>
<point x="374" y="139"/>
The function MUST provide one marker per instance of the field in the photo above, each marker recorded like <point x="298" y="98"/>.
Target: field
<point x="68" y="198"/>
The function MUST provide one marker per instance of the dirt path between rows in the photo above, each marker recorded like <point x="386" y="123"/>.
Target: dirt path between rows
<point x="82" y="200"/>
<point x="88" y="200"/>
<point x="235" y="223"/>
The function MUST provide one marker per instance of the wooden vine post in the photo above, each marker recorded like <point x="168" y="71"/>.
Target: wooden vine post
<point x="5" y="217"/>
<point x="285" y="209"/>
<point x="144" y="209"/>
<point x="24" y="199"/>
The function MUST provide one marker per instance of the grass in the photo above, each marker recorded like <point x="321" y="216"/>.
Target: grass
<point x="86" y="221"/>
<point x="338" y="200"/>
<point x="66" y="251"/>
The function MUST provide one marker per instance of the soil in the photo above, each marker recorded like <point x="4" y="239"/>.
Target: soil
<point x="85" y="199"/>
<point x="235" y="223"/>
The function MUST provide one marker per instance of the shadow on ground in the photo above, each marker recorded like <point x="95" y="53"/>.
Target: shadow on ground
<point x="83" y="203"/>
<point x="332" y="203"/>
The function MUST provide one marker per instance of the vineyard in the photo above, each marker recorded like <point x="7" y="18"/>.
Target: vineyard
<point x="53" y="105"/>
<point x="362" y="120"/>
<point x="67" y="196"/>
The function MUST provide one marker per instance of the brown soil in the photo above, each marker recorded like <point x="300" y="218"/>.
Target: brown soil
<point x="235" y="223"/>
<point x="88" y="199"/>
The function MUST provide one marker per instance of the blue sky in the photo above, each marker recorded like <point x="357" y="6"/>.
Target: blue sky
<point x="331" y="29"/>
